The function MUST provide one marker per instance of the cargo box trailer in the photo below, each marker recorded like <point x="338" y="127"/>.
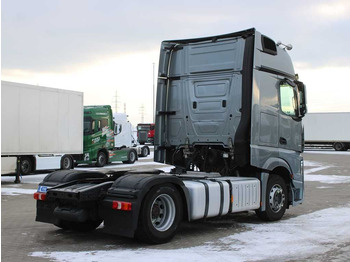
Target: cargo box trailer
<point x="229" y="118"/>
<point x="41" y="127"/>
<point x="331" y="129"/>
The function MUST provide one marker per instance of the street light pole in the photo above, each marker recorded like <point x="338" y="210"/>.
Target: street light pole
<point x="154" y="113"/>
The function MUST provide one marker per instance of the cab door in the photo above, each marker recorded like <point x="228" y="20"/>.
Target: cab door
<point x="290" y="127"/>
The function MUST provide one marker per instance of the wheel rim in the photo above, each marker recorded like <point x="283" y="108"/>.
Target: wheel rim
<point x="145" y="151"/>
<point x="25" y="166"/>
<point x="101" y="159"/>
<point x="338" y="146"/>
<point x="276" y="198"/>
<point x="132" y="156"/>
<point x="66" y="163"/>
<point x="162" y="212"/>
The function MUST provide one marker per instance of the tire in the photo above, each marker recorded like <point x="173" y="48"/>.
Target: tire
<point x="276" y="199"/>
<point x="26" y="165"/>
<point x="160" y="215"/>
<point x="101" y="159"/>
<point x="78" y="226"/>
<point x="66" y="162"/>
<point x="144" y="151"/>
<point x="132" y="156"/>
<point x="338" y="146"/>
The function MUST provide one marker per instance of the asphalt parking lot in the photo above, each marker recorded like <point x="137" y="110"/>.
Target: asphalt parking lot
<point x="327" y="189"/>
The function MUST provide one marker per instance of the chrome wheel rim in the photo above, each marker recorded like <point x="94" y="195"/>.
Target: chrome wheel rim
<point x="162" y="212"/>
<point x="276" y="198"/>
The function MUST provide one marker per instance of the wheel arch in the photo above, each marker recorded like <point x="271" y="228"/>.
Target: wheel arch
<point x="280" y="167"/>
<point x="179" y="185"/>
<point x="139" y="184"/>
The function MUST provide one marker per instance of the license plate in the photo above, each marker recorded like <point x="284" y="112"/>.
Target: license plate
<point x="42" y="189"/>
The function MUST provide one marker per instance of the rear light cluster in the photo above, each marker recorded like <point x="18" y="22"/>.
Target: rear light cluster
<point x="120" y="205"/>
<point x="39" y="196"/>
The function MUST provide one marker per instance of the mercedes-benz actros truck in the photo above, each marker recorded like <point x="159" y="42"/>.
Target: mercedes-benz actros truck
<point x="229" y="115"/>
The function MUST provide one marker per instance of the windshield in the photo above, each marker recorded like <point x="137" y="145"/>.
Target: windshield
<point x="143" y="128"/>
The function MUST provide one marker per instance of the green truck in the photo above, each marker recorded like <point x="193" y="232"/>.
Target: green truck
<point x="100" y="132"/>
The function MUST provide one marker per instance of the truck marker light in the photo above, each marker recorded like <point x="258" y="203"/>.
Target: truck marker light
<point x="120" y="205"/>
<point x="231" y="199"/>
<point x="39" y="196"/>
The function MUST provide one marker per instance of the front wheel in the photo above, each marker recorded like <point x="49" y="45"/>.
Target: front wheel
<point x="101" y="159"/>
<point x="276" y="199"/>
<point x="160" y="215"/>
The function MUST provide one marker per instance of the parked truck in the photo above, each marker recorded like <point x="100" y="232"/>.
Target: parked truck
<point x="328" y="129"/>
<point x="228" y="117"/>
<point x="41" y="127"/>
<point x="46" y="128"/>
<point x="145" y="133"/>
<point x="106" y="140"/>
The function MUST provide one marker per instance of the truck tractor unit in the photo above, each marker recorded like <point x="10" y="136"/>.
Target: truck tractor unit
<point x="229" y="112"/>
<point x="101" y="139"/>
<point x="145" y="133"/>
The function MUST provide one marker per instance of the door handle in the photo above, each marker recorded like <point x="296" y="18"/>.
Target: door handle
<point x="283" y="141"/>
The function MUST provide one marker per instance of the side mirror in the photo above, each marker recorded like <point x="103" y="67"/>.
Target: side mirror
<point x="117" y="129"/>
<point x="302" y="98"/>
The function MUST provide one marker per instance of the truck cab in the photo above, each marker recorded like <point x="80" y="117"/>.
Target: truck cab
<point x="145" y="133"/>
<point x="100" y="136"/>
<point x="231" y="104"/>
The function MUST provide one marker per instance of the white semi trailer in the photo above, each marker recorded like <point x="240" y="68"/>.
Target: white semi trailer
<point x="328" y="129"/>
<point x="41" y="127"/>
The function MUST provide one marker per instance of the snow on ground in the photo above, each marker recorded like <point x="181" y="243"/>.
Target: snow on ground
<point x="310" y="175"/>
<point x="289" y="239"/>
<point x="28" y="179"/>
<point x="13" y="191"/>
<point x="326" y="152"/>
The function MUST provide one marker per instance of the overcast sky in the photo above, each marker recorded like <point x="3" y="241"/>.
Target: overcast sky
<point x="101" y="47"/>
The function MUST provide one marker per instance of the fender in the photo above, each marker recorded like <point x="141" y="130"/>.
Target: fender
<point x="133" y="188"/>
<point x="275" y="162"/>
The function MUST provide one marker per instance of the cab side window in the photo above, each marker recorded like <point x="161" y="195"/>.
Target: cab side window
<point x="288" y="99"/>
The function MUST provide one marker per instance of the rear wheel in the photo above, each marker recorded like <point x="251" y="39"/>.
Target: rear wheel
<point x="101" y="159"/>
<point x="160" y="215"/>
<point x="144" y="151"/>
<point x="66" y="162"/>
<point x="338" y="146"/>
<point x="132" y="155"/>
<point x="26" y="165"/>
<point x="276" y="199"/>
